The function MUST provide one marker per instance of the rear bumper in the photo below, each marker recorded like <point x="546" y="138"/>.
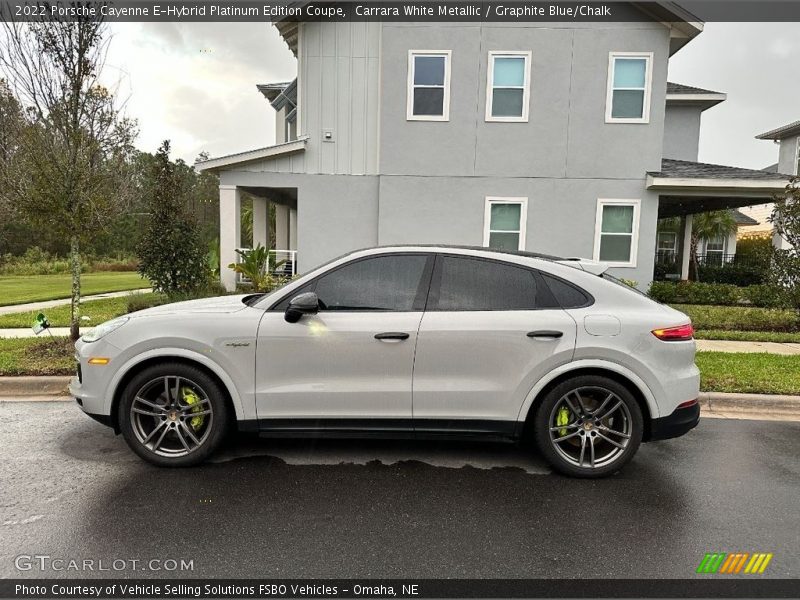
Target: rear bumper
<point x="679" y="422"/>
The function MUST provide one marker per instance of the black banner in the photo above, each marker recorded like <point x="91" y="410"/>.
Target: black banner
<point x="421" y="11"/>
<point x="713" y="586"/>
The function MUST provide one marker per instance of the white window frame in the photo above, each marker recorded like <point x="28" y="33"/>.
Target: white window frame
<point x="445" y="116"/>
<point x="523" y="217"/>
<point x="598" y="226"/>
<point x="648" y="86"/>
<point x="674" y="249"/>
<point x="797" y="157"/>
<point x="526" y="89"/>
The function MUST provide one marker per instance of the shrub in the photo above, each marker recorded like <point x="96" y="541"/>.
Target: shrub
<point x="741" y="318"/>
<point x="733" y="274"/>
<point x="663" y="291"/>
<point x="767" y="296"/>
<point x="694" y="292"/>
<point x="142" y="301"/>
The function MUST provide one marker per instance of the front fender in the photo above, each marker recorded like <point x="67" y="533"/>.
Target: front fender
<point x="589" y="364"/>
<point x="172" y="352"/>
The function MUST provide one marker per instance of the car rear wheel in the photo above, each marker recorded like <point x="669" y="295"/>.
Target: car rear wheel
<point x="588" y="426"/>
<point x="173" y="415"/>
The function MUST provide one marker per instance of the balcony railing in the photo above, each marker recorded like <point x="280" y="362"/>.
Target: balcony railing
<point x="282" y="263"/>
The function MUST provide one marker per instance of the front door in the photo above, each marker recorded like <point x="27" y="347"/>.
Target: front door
<point x="349" y="366"/>
<point x="491" y="330"/>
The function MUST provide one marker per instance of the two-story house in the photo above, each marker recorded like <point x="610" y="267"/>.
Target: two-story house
<point x="560" y="138"/>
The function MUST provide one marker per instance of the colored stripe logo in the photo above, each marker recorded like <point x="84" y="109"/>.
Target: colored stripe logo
<point x="733" y="563"/>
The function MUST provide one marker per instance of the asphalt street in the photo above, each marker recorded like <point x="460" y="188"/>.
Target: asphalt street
<point x="70" y="489"/>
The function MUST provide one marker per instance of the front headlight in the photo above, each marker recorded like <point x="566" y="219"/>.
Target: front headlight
<point x="104" y="329"/>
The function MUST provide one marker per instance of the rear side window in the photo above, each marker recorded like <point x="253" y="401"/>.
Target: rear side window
<point x="388" y="283"/>
<point x="566" y="294"/>
<point x="474" y="284"/>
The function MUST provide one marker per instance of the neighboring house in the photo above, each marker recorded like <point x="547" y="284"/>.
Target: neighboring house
<point x="560" y="138"/>
<point x="788" y="140"/>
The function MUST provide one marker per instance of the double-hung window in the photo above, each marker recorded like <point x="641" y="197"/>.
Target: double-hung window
<point x="617" y="232"/>
<point x="508" y="86"/>
<point x="715" y="250"/>
<point x="629" y="84"/>
<point x="428" y="85"/>
<point x="504" y="223"/>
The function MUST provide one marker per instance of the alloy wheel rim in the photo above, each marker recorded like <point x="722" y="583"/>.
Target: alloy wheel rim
<point x="171" y="416"/>
<point x="590" y="427"/>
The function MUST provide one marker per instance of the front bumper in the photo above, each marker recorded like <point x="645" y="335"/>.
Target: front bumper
<point x="675" y="425"/>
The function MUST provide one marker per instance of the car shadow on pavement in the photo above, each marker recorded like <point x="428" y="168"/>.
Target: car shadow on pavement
<point x="369" y="508"/>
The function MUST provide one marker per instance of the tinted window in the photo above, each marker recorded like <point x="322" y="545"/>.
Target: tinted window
<point x="471" y="284"/>
<point x="380" y="283"/>
<point x="567" y="295"/>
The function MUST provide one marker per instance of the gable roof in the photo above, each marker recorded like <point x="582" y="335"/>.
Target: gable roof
<point x="790" y="130"/>
<point x="687" y="95"/>
<point x="683" y="25"/>
<point x="679" y="88"/>
<point x="743" y="219"/>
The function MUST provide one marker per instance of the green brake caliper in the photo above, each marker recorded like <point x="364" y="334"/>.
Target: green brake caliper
<point x="190" y="398"/>
<point x="562" y="418"/>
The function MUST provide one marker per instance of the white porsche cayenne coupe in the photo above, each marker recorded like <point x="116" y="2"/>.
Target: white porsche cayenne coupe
<point x="418" y="341"/>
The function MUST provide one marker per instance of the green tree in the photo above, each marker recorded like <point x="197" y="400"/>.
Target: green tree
<point x="171" y="252"/>
<point x="706" y="226"/>
<point x="786" y="220"/>
<point x="69" y="168"/>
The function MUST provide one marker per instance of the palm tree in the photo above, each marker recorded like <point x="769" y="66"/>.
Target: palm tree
<point x="705" y="226"/>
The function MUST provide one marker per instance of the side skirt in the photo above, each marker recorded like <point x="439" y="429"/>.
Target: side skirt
<point x="385" y="428"/>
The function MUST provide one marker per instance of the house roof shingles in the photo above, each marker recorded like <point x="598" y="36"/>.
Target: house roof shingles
<point x="679" y="88"/>
<point x="743" y="219"/>
<point x="684" y="169"/>
<point x="780" y="133"/>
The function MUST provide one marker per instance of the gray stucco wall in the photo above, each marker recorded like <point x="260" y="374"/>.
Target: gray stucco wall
<point x="561" y="213"/>
<point x="682" y="132"/>
<point x="566" y="135"/>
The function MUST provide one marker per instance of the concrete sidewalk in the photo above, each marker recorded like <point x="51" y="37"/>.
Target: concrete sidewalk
<point x="27" y="332"/>
<point x="30" y="306"/>
<point x="749" y="347"/>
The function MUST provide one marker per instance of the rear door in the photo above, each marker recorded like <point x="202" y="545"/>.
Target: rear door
<point x="491" y="329"/>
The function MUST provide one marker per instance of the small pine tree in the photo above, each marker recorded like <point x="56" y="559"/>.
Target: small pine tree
<point x="171" y="252"/>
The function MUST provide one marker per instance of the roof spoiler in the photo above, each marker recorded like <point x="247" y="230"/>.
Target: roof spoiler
<point x="590" y="266"/>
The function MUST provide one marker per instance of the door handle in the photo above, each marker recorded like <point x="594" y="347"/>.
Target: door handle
<point x="392" y="335"/>
<point x="545" y="334"/>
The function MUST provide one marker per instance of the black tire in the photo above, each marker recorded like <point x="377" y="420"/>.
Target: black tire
<point x="186" y="376"/>
<point x="594" y="390"/>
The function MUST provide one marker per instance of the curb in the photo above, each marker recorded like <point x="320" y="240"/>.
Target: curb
<point x="52" y="385"/>
<point x="775" y="404"/>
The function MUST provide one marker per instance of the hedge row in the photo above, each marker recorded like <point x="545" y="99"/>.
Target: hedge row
<point x="722" y="294"/>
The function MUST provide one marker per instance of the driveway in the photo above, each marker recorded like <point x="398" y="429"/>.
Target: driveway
<point x="71" y="489"/>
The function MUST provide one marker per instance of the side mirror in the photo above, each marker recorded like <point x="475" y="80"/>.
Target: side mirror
<point x="304" y="304"/>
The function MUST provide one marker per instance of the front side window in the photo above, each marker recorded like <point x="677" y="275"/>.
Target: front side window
<point x="617" y="232"/>
<point x="475" y="284"/>
<point x="428" y="85"/>
<point x="667" y="245"/>
<point x="508" y="89"/>
<point x="387" y="283"/>
<point x="504" y="223"/>
<point x="629" y="79"/>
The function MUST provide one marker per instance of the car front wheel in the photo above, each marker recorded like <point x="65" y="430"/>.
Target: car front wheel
<point x="173" y="415"/>
<point x="588" y="426"/>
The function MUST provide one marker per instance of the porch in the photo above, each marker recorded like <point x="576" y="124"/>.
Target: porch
<point x="690" y="188"/>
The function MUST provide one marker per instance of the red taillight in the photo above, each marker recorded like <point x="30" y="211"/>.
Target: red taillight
<point x="681" y="333"/>
<point x="687" y="404"/>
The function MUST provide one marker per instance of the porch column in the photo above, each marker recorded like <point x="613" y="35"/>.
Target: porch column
<point x="687" y="246"/>
<point x="261" y="222"/>
<point x="293" y="229"/>
<point x="230" y="232"/>
<point x="281" y="227"/>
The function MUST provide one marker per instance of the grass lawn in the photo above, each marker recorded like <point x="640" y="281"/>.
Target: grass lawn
<point x="741" y="318"/>
<point x="749" y="373"/>
<point x="37" y="356"/>
<point x="97" y="311"/>
<point x="748" y="336"/>
<point x="19" y="289"/>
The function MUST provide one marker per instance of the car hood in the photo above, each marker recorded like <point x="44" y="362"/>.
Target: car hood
<point x="221" y="304"/>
